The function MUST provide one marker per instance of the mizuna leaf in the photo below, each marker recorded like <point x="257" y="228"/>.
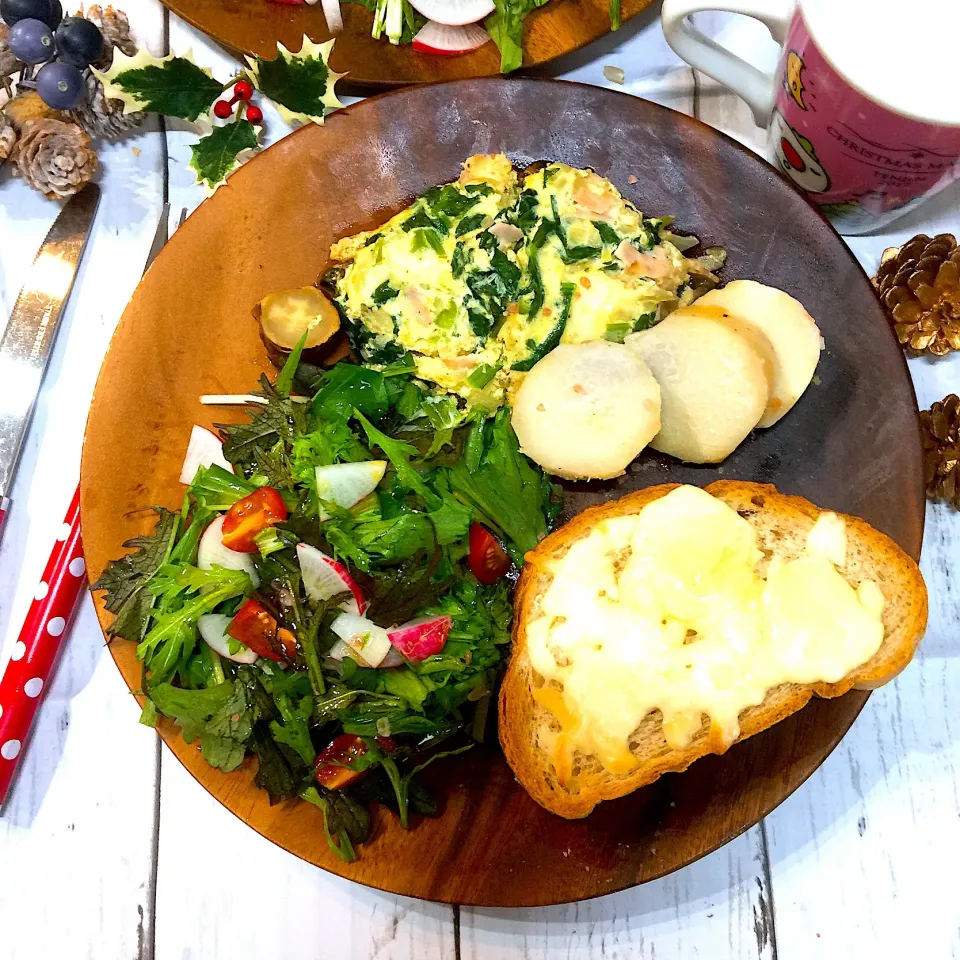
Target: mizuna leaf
<point x="216" y="155"/>
<point x="173" y="86"/>
<point x="300" y="84"/>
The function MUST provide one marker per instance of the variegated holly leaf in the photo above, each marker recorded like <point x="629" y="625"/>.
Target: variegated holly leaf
<point x="172" y="86"/>
<point x="217" y="155"/>
<point x="300" y="84"/>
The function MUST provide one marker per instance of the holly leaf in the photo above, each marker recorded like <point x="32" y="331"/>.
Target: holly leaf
<point x="300" y="84"/>
<point x="172" y="86"/>
<point x="217" y="155"/>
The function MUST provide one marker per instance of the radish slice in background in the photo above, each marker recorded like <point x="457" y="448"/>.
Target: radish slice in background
<point x="205" y="448"/>
<point x="443" y="40"/>
<point x="454" y="13"/>
<point x="363" y="637"/>
<point x="421" y="638"/>
<point x="348" y="483"/>
<point x="213" y="629"/>
<point x="324" y="577"/>
<point x="212" y="553"/>
<point x="331" y="11"/>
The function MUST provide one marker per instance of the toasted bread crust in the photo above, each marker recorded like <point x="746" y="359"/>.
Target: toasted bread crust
<point x="777" y="517"/>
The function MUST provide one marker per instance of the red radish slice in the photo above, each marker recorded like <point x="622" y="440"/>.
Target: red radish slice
<point x="204" y="449"/>
<point x="348" y="483"/>
<point x="212" y="553"/>
<point x="324" y="577"/>
<point x="363" y="637"/>
<point x="213" y="629"/>
<point x="447" y="40"/>
<point x="421" y="638"/>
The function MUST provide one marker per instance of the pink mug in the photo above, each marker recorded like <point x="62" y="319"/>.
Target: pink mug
<point x="862" y="113"/>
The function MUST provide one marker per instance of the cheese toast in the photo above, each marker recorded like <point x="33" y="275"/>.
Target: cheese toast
<point x="781" y="523"/>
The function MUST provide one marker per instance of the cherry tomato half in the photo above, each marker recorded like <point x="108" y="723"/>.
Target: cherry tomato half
<point x="247" y="517"/>
<point x="330" y="771"/>
<point x="487" y="559"/>
<point x="257" y="628"/>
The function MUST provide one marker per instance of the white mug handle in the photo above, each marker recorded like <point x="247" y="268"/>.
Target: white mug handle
<point x="704" y="54"/>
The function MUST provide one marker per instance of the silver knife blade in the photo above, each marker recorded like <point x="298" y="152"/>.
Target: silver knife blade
<point x="32" y="327"/>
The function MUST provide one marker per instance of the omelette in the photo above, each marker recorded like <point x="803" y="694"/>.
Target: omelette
<point x="477" y="280"/>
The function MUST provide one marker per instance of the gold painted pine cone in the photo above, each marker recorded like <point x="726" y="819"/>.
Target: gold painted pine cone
<point x="115" y="28"/>
<point x="940" y="435"/>
<point x="919" y="286"/>
<point x="54" y="157"/>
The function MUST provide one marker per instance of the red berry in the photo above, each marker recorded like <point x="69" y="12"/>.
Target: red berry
<point x="254" y="114"/>
<point x="222" y="109"/>
<point x="243" y="90"/>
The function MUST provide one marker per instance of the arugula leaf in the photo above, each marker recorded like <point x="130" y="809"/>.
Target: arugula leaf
<point x="261" y="445"/>
<point x="215" y="156"/>
<point x="172" y="86"/>
<point x="125" y="579"/>
<point x="274" y="773"/>
<point x="499" y="482"/>
<point x="505" y="26"/>
<point x="221" y="716"/>
<point x="294" y="731"/>
<point x="345" y="822"/>
<point x="174" y="633"/>
<point x="346" y="387"/>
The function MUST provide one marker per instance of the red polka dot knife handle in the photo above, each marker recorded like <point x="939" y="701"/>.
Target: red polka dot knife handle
<point x="32" y="660"/>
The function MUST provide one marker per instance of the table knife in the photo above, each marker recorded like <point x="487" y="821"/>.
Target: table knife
<point x="32" y="328"/>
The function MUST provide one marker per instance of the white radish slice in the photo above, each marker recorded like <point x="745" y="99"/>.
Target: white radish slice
<point x="348" y="483"/>
<point x="447" y="40"/>
<point x="324" y="577"/>
<point x="213" y="629"/>
<point x="212" y="553"/>
<point x="204" y="448"/>
<point x="421" y="638"/>
<point x="340" y="650"/>
<point x="331" y="12"/>
<point x="363" y="637"/>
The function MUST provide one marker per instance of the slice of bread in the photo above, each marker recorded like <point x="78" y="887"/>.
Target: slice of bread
<point x="782" y="523"/>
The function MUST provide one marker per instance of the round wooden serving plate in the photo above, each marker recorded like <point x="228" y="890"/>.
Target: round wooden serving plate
<point x="256" y="26"/>
<point x="851" y="444"/>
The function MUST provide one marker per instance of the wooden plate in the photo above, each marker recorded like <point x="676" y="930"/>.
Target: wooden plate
<point x="851" y="444"/>
<point x="256" y="26"/>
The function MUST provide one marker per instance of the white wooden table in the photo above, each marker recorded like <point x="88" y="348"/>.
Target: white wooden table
<point x="108" y="849"/>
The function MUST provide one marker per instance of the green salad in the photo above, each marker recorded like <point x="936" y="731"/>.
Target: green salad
<point x="334" y="595"/>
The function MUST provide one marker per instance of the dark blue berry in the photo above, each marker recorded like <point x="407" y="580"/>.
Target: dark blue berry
<point x="79" y="41"/>
<point x="56" y="14"/>
<point x="13" y="10"/>
<point x="31" y="41"/>
<point x="60" y="85"/>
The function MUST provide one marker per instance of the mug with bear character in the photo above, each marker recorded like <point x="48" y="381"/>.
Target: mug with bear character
<point x="862" y="112"/>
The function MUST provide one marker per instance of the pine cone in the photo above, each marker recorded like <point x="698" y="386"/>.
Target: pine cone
<point x="940" y="435"/>
<point x="919" y="284"/>
<point x="54" y="158"/>
<point x="101" y="117"/>
<point x="8" y="137"/>
<point x="27" y="106"/>
<point x="115" y="28"/>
